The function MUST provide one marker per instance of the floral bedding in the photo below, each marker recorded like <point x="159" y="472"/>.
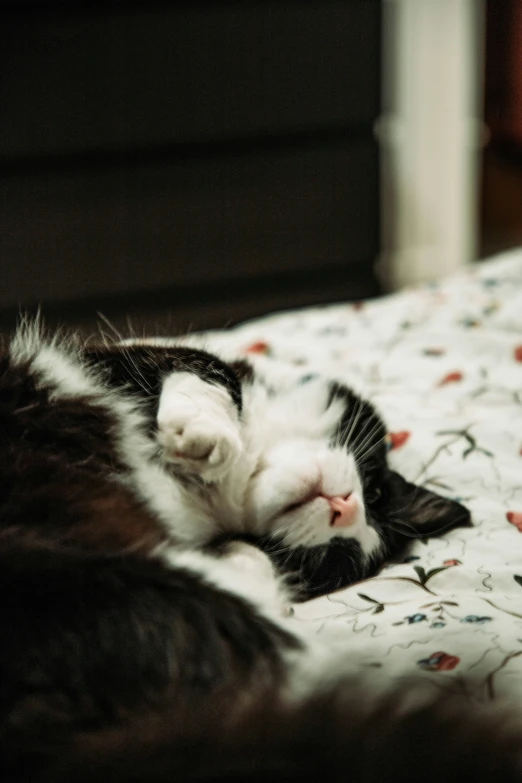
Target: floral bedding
<point x="443" y="363"/>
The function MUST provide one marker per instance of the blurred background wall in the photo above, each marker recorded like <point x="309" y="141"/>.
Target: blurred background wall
<point x="194" y="164"/>
<point x="214" y="159"/>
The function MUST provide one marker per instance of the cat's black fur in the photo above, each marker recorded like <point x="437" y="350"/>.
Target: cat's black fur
<point x="333" y="737"/>
<point x="142" y="369"/>
<point x="88" y="639"/>
<point x="92" y="625"/>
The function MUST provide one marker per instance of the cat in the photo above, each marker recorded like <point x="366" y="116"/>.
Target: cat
<point x="116" y="606"/>
<point x="298" y="469"/>
<point x="341" y="735"/>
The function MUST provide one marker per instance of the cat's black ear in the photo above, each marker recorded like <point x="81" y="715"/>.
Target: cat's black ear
<point x="423" y="513"/>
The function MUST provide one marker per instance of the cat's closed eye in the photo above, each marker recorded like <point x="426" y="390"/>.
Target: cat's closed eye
<point x="302" y="501"/>
<point x="293" y="506"/>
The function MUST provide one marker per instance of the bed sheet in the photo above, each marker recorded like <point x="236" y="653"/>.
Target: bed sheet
<point x="443" y="363"/>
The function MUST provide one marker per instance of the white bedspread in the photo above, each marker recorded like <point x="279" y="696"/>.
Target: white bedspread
<point x="443" y="363"/>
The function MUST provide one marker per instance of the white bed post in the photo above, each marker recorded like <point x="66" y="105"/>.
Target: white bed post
<point x="430" y="134"/>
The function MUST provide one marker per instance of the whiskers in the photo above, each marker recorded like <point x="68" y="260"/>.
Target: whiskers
<point x="344" y="436"/>
<point x="417" y="532"/>
<point x="402" y="527"/>
<point x="370" y="445"/>
<point x="115" y="333"/>
<point x="367" y="439"/>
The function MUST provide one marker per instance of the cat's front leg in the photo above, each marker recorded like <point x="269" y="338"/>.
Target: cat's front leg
<point x="198" y="427"/>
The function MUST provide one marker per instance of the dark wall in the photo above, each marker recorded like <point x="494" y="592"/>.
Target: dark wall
<point x="218" y="157"/>
<point x="502" y="163"/>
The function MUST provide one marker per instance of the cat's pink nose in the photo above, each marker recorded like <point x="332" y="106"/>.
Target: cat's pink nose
<point x="344" y="511"/>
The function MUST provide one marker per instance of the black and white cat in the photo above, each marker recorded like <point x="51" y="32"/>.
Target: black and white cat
<point x="120" y="469"/>
<point x="297" y="468"/>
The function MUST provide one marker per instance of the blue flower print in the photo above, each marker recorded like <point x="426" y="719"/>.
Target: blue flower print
<point x="474" y="618"/>
<point x="415" y="618"/>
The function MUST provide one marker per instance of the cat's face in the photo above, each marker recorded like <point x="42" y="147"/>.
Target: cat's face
<point x="308" y="493"/>
<point x="328" y="509"/>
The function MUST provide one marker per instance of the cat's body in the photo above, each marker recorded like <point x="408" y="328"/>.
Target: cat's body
<point x="111" y="605"/>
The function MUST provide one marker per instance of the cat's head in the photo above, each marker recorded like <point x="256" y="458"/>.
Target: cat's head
<point x="331" y="511"/>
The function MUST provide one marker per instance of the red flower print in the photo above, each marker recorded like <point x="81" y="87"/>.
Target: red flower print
<point x="517" y="353"/>
<point x="451" y="377"/>
<point x="439" y="662"/>
<point x="398" y="439"/>
<point x="259" y="347"/>
<point x="447" y="662"/>
<point x="452" y="563"/>
<point x="515" y="518"/>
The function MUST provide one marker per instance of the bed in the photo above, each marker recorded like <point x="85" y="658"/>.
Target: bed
<point x="443" y="363"/>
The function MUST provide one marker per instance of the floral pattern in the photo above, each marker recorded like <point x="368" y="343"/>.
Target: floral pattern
<point x="443" y="363"/>
<point x="439" y="662"/>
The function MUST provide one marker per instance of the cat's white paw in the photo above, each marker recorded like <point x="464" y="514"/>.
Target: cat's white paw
<point x="248" y="558"/>
<point x="200" y="445"/>
<point x="198" y="428"/>
<point x="256" y="572"/>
